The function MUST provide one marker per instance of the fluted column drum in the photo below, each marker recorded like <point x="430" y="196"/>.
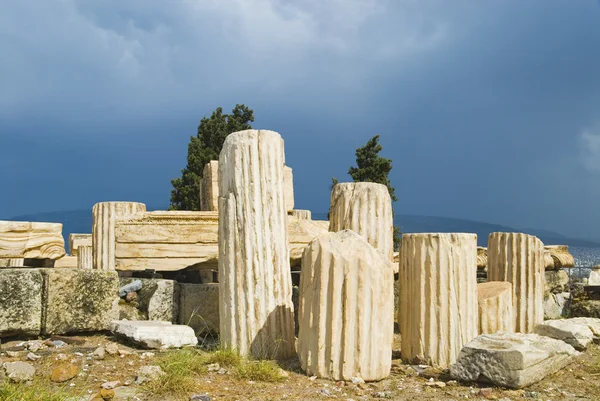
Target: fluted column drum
<point x="495" y="307"/>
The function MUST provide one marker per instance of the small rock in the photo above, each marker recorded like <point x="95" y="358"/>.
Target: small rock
<point x="485" y="392"/>
<point x="435" y="384"/>
<point x="147" y="373"/>
<point x="357" y="380"/>
<point x="34" y="346"/>
<point x="283" y="373"/>
<point x="147" y="355"/>
<point x="79" y="354"/>
<point x="107" y="394"/>
<point x="110" y="385"/>
<point x="312" y="378"/>
<point x="222" y="371"/>
<point x="99" y="353"/>
<point x="383" y="394"/>
<point x="111" y="349"/>
<point x="13" y="354"/>
<point x="19" y="371"/>
<point x="48" y="343"/>
<point x="452" y="383"/>
<point x="64" y="372"/>
<point x="325" y="392"/>
<point x="131" y="296"/>
<point x="199" y="397"/>
<point x="213" y="367"/>
<point x="61" y="357"/>
<point x="33" y="357"/>
<point x="59" y="343"/>
<point x="123" y="352"/>
<point x="532" y="394"/>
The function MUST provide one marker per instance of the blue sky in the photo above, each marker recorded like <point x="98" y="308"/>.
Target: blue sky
<point x="489" y="110"/>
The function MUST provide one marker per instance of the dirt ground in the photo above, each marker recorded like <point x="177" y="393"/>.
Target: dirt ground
<point x="578" y="381"/>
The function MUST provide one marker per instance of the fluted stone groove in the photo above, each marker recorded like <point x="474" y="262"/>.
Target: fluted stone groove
<point x="495" y="307"/>
<point x="104" y="215"/>
<point x="16" y="262"/>
<point x="519" y="259"/>
<point x="85" y="257"/>
<point x="209" y="192"/>
<point x="300" y="214"/>
<point x="346" y="309"/>
<point x="255" y="288"/>
<point x="288" y="191"/>
<point x="365" y="208"/>
<point x="437" y="311"/>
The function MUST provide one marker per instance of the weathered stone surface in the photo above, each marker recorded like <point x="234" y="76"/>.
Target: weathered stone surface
<point x="556" y="281"/>
<point x="155" y="334"/>
<point x="23" y="239"/>
<point x="300" y="214"/>
<point x="77" y="300"/>
<point x="495" y="307"/>
<point x="64" y="372"/>
<point x="288" y="187"/>
<point x="438" y="296"/>
<point x="166" y="240"/>
<point x="511" y="360"/>
<point x="365" y="208"/>
<point x="255" y="288"/>
<point x="104" y="217"/>
<point x="519" y="259"/>
<point x="346" y="315"/>
<point x="66" y="261"/>
<point x="78" y="240"/>
<point x="85" y="257"/>
<point x="579" y="336"/>
<point x="592" y="323"/>
<point x="199" y="307"/>
<point x="556" y="305"/>
<point x="300" y="233"/>
<point x="158" y="299"/>
<point x="558" y="256"/>
<point x="20" y="302"/>
<point x="209" y="192"/>
<point x="594" y="278"/>
<point x="18" y="372"/>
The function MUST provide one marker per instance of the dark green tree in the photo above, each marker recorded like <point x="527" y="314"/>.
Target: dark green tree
<point x="371" y="167"/>
<point x="204" y="147"/>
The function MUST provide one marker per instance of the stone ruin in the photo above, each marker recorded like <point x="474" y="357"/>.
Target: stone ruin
<point x="257" y="272"/>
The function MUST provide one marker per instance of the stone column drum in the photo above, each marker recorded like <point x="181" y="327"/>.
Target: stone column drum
<point x="346" y="309"/>
<point x="85" y="257"/>
<point x="519" y="259"/>
<point x="437" y="311"/>
<point x="104" y="215"/>
<point x="16" y="262"/>
<point x="255" y="287"/>
<point x="365" y="208"/>
<point x="495" y="307"/>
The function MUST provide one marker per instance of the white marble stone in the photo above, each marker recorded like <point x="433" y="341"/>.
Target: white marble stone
<point x="27" y="240"/>
<point x="155" y="334"/>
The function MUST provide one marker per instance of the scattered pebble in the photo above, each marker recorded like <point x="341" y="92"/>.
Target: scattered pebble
<point x="33" y="357"/>
<point x="213" y="367"/>
<point x="110" y="385"/>
<point x="112" y="349"/>
<point x="147" y="373"/>
<point x="99" y="353"/>
<point x="357" y="380"/>
<point x="13" y="354"/>
<point x="383" y="394"/>
<point x="199" y="397"/>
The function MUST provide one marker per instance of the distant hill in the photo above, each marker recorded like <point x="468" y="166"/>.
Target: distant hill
<point x="80" y="221"/>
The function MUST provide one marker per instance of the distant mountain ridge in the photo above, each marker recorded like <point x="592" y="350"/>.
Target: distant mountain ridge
<point x="80" y="221"/>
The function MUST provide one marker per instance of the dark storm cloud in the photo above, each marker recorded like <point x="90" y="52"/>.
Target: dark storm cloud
<point x="488" y="109"/>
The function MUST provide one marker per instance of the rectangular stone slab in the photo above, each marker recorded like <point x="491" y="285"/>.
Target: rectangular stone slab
<point x="24" y="239"/>
<point x="155" y="334"/>
<point x="77" y="240"/>
<point x="199" y="307"/>
<point x="20" y="302"/>
<point x="79" y="300"/>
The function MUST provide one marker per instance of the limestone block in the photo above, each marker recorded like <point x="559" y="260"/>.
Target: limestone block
<point x="4" y="262"/>
<point x="438" y="296"/>
<point x="158" y="299"/>
<point x="209" y="196"/>
<point x="199" y="307"/>
<point x="556" y="305"/>
<point x="155" y="334"/>
<point x="301" y="232"/>
<point x="20" y="302"/>
<point x="288" y="187"/>
<point x="511" y="360"/>
<point x="592" y="323"/>
<point x="365" y="208"/>
<point x="495" y="307"/>
<point x="166" y="240"/>
<point x="255" y="288"/>
<point x="555" y="281"/>
<point x="579" y="336"/>
<point x="300" y="214"/>
<point x="78" y="240"/>
<point x="85" y="257"/>
<point x="594" y="278"/>
<point x="519" y="259"/>
<point x="78" y="300"/>
<point x="23" y="239"/>
<point x="104" y="217"/>
<point x="346" y="315"/>
<point x="66" y="261"/>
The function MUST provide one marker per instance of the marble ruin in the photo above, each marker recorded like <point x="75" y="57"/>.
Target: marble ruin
<point x="104" y="216"/>
<point x="519" y="259"/>
<point x="346" y="314"/>
<point x="85" y="258"/>
<point x="255" y="289"/>
<point x="438" y="296"/>
<point x="22" y="239"/>
<point x="78" y="240"/>
<point x="495" y="306"/>
<point x="365" y="208"/>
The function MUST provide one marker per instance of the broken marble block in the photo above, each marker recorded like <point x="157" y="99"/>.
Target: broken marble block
<point x="556" y="305"/>
<point x="157" y="299"/>
<point x="575" y="332"/>
<point x="20" y="302"/>
<point x="79" y="300"/>
<point x="199" y="307"/>
<point x="513" y="360"/>
<point x="23" y="239"/>
<point x="155" y="334"/>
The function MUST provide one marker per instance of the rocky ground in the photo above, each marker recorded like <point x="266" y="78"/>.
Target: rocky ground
<point x="98" y="367"/>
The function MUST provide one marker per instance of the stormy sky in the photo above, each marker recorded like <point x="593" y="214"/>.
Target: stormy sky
<point x="490" y="110"/>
